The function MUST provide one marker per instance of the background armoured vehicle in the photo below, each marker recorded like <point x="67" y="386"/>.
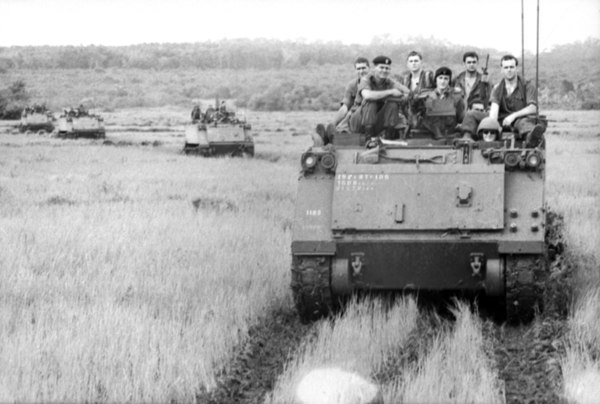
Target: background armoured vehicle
<point x="218" y="132"/>
<point x="420" y="215"/>
<point x="78" y="122"/>
<point x="36" y="119"/>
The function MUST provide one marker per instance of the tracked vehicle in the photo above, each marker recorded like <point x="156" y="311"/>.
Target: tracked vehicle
<point x="79" y="123"/>
<point x="420" y="215"/>
<point x="218" y="132"/>
<point x="36" y="119"/>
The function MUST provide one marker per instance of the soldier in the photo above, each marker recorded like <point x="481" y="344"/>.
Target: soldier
<point x="379" y="98"/>
<point x="418" y="81"/>
<point x="347" y="105"/>
<point x="196" y="114"/>
<point x="513" y="105"/>
<point x="444" y="106"/>
<point x="474" y="85"/>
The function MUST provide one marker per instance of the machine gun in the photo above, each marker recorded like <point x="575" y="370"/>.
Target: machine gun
<point x="485" y="69"/>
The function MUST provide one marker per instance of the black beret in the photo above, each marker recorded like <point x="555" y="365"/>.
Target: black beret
<point x="382" y="60"/>
<point x="443" y="71"/>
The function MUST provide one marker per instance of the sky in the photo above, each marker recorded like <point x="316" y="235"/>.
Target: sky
<point x="480" y="23"/>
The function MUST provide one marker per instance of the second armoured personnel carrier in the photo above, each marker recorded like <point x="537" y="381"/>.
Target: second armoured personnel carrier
<point x="36" y="119"/>
<point x="421" y="215"/>
<point x="218" y="132"/>
<point x="78" y="122"/>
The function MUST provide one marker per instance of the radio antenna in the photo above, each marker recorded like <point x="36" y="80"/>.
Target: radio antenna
<point x="537" y="63"/>
<point x="523" y="39"/>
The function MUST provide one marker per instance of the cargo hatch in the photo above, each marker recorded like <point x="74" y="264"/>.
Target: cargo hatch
<point x="418" y="197"/>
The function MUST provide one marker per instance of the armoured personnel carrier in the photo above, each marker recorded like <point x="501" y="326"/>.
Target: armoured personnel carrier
<point x="420" y="215"/>
<point x="36" y="119"/>
<point x="218" y="132"/>
<point x="78" y="122"/>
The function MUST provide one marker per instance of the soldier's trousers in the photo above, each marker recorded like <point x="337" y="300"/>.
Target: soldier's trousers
<point x="439" y="126"/>
<point x="521" y="126"/>
<point x="375" y="116"/>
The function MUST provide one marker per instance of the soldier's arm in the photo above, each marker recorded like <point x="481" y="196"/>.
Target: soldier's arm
<point x="494" y="109"/>
<point x="374" y="95"/>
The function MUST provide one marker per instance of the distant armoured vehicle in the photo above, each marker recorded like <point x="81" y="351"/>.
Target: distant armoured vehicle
<point x="78" y="122"/>
<point x="36" y="119"/>
<point x="420" y="215"/>
<point x="218" y="132"/>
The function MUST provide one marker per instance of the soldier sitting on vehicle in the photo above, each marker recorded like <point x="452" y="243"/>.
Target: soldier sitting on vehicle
<point x="379" y="98"/>
<point x="81" y="111"/>
<point x="513" y="105"/>
<point x="196" y="114"/>
<point x="444" y="107"/>
<point x="210" y="115"/>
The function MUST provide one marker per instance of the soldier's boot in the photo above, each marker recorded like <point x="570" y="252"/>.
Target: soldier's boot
<point x="391" y="133"/>
<point x="371" y="137"/>
<point x="535" y="137"/>
<point x="319" y="137"/>
<point x="437" y="133"/>
<point x="330" y="133"/>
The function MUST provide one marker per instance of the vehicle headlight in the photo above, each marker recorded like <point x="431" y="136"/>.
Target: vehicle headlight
<point x="534" y="159"/>
<point x="309" y="161"/>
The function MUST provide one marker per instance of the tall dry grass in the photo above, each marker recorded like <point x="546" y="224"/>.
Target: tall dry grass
<point x="114" y="286"/>
<point x="574" y="191"/>
<point x="357" y="341"/>
<point x="456" y="368"/>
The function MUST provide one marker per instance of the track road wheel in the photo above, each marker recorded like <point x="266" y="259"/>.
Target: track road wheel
<point x="525" y="278"/>
<point x="311" y="286"/>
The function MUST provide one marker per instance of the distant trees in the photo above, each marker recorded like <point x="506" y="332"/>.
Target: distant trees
<point x="264" y="74"/>
<point x="13" y="100"/>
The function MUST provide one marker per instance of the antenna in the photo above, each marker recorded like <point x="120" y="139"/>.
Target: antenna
<point x="523" y="39"/>
<point x="537" y="63"/>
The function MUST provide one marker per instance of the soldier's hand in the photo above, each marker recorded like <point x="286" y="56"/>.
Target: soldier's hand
<point x="372" y="143"/>
<point x="485" y="78"/>
<point x="507" y="122"/>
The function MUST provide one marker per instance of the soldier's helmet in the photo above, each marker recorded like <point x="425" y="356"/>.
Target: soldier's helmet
<point x="488" y="130"/>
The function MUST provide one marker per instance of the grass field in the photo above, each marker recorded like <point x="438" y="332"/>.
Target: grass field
<point x="129" y="271"/>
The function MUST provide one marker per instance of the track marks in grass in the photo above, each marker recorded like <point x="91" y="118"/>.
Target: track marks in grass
<point x="259" y="359"/>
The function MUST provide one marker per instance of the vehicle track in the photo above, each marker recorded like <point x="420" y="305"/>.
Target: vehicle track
<point x="528" y="356"/>
<point x="256" y="363"/>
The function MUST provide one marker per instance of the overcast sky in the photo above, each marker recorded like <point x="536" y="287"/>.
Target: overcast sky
<point x="482" y="23"/>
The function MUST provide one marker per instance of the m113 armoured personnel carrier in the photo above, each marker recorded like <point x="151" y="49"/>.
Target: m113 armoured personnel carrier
<point x="218" y="132"/>
<point x="79" y="123"/>
<point x="36" y="119"/>
<point x="422" y="215"/>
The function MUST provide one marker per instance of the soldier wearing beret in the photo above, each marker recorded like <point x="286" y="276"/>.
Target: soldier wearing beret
<point x="378" y="102"/>
<point x="444" y="106"/>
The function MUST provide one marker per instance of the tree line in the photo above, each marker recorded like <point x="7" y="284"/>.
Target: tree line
<point x="224" y="54"/>
<point x="259" y="74"/>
